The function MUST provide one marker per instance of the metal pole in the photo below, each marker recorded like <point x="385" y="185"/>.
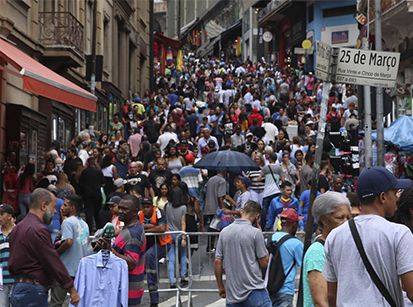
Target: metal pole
<point x="367" y="104"/>
<point x="93" y="66"/>
<point x="367" y="124"/>
<point x="316" y="166"/>
<point x="379" y="91"/>
<point x="315" y="179"/>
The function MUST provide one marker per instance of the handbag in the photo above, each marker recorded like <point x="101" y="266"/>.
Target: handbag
<point x="373" y="275"/>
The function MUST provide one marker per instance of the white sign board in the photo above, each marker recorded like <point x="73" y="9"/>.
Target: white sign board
<point x="322" y="60"/>
<point x="365" y="67"/>
<point x="303" y="51"/>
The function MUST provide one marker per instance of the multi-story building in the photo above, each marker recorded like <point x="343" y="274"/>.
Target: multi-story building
<point x="58" y="36"/>
<point x="209" y="27"/>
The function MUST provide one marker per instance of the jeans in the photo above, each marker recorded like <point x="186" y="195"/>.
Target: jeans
<point x="211" y="239"/>
<point x="5" y="295"/>
<point x="265" y="205"/>
<point x="24" y="202"/>
<point x="282" y="300"/>
<point x="152" y="256"/>
<point x="29" y="295"/>
<point x="171" y="260"/>
<point x="257" y="298"/>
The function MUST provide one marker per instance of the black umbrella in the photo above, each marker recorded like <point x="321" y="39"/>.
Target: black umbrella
<point x="227" y="160"/>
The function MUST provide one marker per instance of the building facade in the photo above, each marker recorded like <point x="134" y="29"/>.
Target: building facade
<point x="59" y="34"/>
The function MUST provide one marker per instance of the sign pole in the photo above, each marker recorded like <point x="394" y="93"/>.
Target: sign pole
<point x="379" y="91"/>
<point x="323" y="65"/>
<point x="368" y="155"/>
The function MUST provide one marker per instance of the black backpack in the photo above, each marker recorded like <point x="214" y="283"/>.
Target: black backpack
<point x="275" y="269"/>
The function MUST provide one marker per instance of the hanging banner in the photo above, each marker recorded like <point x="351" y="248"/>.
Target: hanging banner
<point x="179" y="60"/>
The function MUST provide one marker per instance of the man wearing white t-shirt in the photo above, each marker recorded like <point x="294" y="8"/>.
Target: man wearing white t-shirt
<point x="388" y="247"/>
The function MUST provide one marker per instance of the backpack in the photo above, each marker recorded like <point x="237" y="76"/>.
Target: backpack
<point x="274" y="275"/>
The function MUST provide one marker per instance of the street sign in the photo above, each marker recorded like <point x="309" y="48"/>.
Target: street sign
<point x="365" y="67"/>
<point x="303" y="51"/>
<point x="323" y="54"/>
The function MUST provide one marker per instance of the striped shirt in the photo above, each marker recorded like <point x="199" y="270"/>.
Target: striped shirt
<point x="131" y="242"/>
<point x="257" y="181"/>
<point x="4" y="259"/>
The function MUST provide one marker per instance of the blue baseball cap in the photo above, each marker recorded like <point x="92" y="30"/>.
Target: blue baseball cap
<point x="376" y="180"/>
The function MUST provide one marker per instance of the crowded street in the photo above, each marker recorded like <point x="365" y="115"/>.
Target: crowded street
<point x="206" y="153"/>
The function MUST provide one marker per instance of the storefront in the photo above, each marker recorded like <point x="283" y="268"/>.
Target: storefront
<point x="37" y="103"/>
<point x="26" y="134"/>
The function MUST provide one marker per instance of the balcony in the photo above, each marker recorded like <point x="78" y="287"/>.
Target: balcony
<point x="271" y="9"/>
<point x="62" y="36"/>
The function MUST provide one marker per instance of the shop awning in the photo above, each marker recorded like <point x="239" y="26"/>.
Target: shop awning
<point x="40" y="80"/>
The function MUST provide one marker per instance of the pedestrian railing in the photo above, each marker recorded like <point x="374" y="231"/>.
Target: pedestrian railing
<point x="200" y="264"/>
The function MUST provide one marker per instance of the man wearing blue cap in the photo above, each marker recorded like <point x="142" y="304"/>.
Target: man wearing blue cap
<point x="388" y="248"/>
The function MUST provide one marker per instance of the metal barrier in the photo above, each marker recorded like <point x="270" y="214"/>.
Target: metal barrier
<point x="189" y="290"/>
<point x="179" y="289"/>
<point x="199" y="265"/>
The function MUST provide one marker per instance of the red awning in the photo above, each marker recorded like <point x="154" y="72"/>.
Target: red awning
<point x="40" y="80"/>
<point x="167" y="41"/>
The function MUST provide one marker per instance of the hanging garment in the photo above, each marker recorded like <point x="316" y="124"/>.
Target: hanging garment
<point x="102" y="281"/>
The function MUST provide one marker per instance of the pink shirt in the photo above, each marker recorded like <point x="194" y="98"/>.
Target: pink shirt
<point x="134" y="142"/>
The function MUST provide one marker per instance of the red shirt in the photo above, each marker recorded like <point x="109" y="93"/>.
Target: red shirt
<point x="33" y="256"/>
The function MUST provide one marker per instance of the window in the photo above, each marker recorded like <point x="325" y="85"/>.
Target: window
<point x="311" y="12"/>
<point x="339" y="11"/>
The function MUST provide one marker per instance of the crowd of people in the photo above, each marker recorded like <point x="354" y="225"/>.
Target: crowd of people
<point x="139" y="177"/>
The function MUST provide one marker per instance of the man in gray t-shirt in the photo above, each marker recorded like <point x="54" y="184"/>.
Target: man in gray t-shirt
<point x="216" y="188"/>
<point x="75" y="243"/>
<point x="388" y="246"/>
<point x="241" y="248"/>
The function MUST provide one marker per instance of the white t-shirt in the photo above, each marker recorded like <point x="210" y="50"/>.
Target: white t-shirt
<point x="388" y="246"/>
<point x="271" y="131"/>
<point x="165" y="137"/>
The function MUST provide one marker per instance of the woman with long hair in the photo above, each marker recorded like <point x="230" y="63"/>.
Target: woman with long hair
<point x="25" y="187"/>
<point x="175" y="161"/>
<point x="103" y="141"/>
<point x="161" y="200"/>
<point x="175" y="212"/>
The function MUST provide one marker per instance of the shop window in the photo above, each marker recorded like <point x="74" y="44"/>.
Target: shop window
<point x="61" y="131"/>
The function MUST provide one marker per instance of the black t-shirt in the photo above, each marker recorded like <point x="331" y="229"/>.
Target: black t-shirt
<point x="143" y="182"/>
<point x="157" y="178"/>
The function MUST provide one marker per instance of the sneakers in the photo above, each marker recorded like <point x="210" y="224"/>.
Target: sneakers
<point x="211" y="251"/>
<point x="162" y="260"/>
